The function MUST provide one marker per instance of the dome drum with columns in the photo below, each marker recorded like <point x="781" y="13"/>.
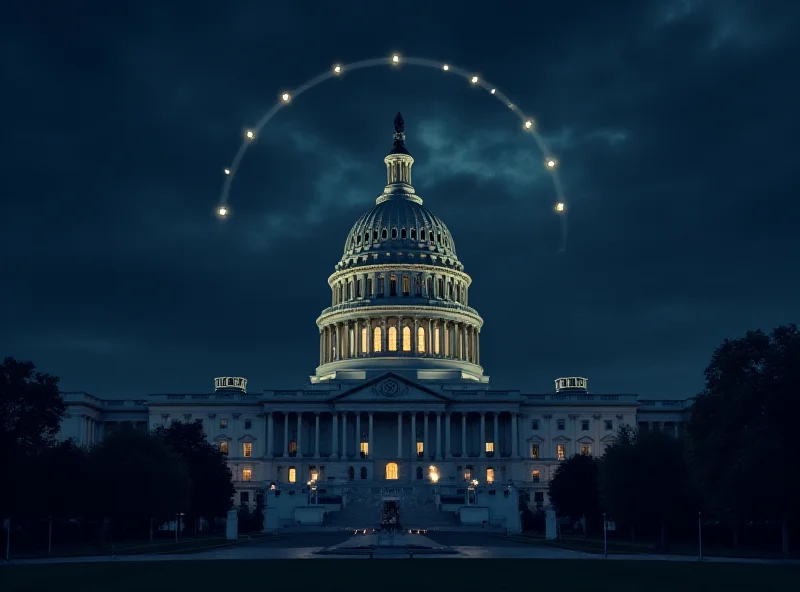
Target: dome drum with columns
<point x="399" y="293"/>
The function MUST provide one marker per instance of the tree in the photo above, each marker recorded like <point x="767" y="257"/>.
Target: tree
<point x="31" y="409"/>
<point x="574" y="490"/>
<point x="741" y="433"/>
<point x="212" y="488"/>
<point x="135" y="478"/>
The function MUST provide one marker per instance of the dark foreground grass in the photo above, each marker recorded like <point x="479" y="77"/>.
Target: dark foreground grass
<point x="395" y="575"/>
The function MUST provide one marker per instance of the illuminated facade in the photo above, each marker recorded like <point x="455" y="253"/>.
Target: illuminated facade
<point x="399" y="396"/>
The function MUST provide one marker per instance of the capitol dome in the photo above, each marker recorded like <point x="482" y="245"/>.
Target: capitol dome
<point x="399" y="292"/>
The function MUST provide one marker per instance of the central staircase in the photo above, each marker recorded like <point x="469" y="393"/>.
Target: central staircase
<point x="417" y="509"/>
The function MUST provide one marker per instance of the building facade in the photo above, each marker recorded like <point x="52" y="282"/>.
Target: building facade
<point x="399" y="396"/>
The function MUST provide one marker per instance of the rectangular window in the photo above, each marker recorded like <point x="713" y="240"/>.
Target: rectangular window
<point x="536" y="475"/>
<point x="313" y="474"/>
<point x="467" y="474"/>
<point x="584" y="425"/>
<point x="244" y="496"/>
<point x="292" y="475"/>
<point x="420" y="449"/>
<point x="538" y="499"/>
<point x="358" y="288"/>
<point x="535" y="425"/>
<point x="223" y="423"/>
<point x="364" y="449"/>
<point x="223" y="447"/>
<point x="381" y="283"/>
<point x="609" y="424"/>
<point x="392" y="285"/>
<point x="368" y="288"/>
<point x="561" y="451"/>
<point x="436" y="341"/>
<point x="490" y="448"/>
<point x="586" y="449"/>
<point x="247" y="449"/>
<point x="418" y="287"/>
<point x="490" y="475"/>
<point x="406" y="285"/>
<point x="561" y="424"/>
<point x="247" y="474"/>
<point x="534" y="451"/>
<point x="293" y="448"/>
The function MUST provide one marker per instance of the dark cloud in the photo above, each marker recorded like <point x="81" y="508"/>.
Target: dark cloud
<point x="673" y="121"/>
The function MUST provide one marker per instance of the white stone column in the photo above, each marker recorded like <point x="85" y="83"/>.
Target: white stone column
<point x="478" y="347"/>
<point x="414" y="435"/>
<point x="337" y="353"/>
<point x="321" y="346"/>
<point x="429" y="342"/>
<point x="335" y="434"/>
<point x="483" y="435"/>
<point x="448" y="440"/>
<point x="371" y="451"/>
<point x="514" y="443"/>
<point x="369" y="336"/>
<point x="496" y="434"/>
<point x="438" y="436"/>
<point x="384" y="336"/>
<point x="344" y="435"/>
<point x="425" y="448"/>
<point x="464" y="436"/>
<point x="285" y="434"/>
<point x="270" y="435"/>
<point x="316" y="434"/>
<point x="399" y="435"/>
<point x="300" y="434"/>
<point x="415" y="337"/>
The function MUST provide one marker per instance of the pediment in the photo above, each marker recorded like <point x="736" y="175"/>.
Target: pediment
<point x="222" y="438"/>
<point x="390" y="388"/>
<point x="608" y="439"/>
<point x="561" y="439"/>
<point x="585" y="440"/>
<point x="536" y="439"/>
<point x="247" y="438"/>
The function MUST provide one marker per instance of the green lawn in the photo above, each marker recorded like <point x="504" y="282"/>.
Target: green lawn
<point x="497" y="575"/>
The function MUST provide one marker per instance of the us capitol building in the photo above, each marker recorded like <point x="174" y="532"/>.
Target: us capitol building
<point x="399" y="398"/>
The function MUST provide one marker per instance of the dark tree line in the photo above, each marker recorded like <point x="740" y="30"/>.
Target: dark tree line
<point x="123" y="487"/>
<point x="736" y="466"/>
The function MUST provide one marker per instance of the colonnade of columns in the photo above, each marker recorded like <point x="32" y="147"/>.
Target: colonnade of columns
<point x="393" y="336"/>
<point x="403" y="284"/>
<point x="440" y="452"/>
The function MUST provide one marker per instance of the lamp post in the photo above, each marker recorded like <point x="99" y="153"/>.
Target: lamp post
<point x="49" y="535"/>
<point x="700" y="535"/>
<point x="177" y="524"/>
<point x="605" y="536"/>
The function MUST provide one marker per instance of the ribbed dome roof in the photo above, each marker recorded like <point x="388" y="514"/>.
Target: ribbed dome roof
<point x="401" y="224"/>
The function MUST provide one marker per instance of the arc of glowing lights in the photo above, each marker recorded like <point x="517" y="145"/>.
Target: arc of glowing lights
<point x="286" y="97"/>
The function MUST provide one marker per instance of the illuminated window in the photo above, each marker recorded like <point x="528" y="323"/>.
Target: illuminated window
<point x="561" y="424"/>
<point x="392" y="285"/>
<point x="292" y="475"/>
<point x="584" y="425"/>
<point x="392" y="339"/>
<point x="376" y="340"/>
<point x="364" y="335"/>
<point x="391" y="471"/>
<point x="313" y="475"/>
<point x="223" y="423"/>
<point x="247" y="449"/>
<point x="534" y="451"/>
<point x="421" y="340"/>
<point x="406" y="339"/>
<point x="436" y="341"/>
<point x="247" y="474"/>
<point x="364" y="449"/>
<point x="406" y="285"/>
<point x="536" y="475"/>
<point x="490" y="475"/>
<point x="292" y="448"/>
<point x="223" y="447"/>
<point x="420" y="449"/>
<point x="586" y="449"/>
<point x="490" y="447"/>
<point x="468" y="474"/>
<point x="561" y="451"/>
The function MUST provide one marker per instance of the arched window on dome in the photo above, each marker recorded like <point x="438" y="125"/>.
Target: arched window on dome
<point x="421" y="340"/>
<point x="384" y="234"/>
<point x="368" y="288"/>
<point x="436" y="340"/>
<point x="358" y="239"/>
<point x="392" y="285"/>
<point x="422" y="234"/>
<point x="439" y="237"/>
<point x="375" y="235"/>
<point x="403" y="233"/>
<point x="392" y="339"/>
<point x="394" y="233"/>
<point x="364" y="344"/>
<point x="406" y="285"/>
<point x="431" y="237"/>
<point x="347" y="291"/>
<point x="377" y="341"/>
<point x="406" y="339"/>
<point x="413" y="234"/>
<point x="366" y="237"/>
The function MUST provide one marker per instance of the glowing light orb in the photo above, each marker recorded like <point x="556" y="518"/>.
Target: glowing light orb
<point x="560" y="207"/>
<point x="494" y="90"/>
<point x="227" y="171"/>
<point x="395" y="59"/>
<point x="250" y="134"/>
<point x="474" y="80"/>
<point x="337" y="69"/>
<point x="445" y="67"/>
<point x="551" y="163"/>
<point x="285" y="97"/>
<point x="528" y="124"/>
<point x="222" y="211"/>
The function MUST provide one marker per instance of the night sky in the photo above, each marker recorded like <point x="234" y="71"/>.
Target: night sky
<point x="675" y="123"/>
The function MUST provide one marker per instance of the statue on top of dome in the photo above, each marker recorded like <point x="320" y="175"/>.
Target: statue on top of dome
<point x="399" y="124"/>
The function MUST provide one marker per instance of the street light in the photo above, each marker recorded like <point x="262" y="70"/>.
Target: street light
<point x="700" y="535"/>
<point x="178" y="524"/>
<point x="605" y="536"/>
